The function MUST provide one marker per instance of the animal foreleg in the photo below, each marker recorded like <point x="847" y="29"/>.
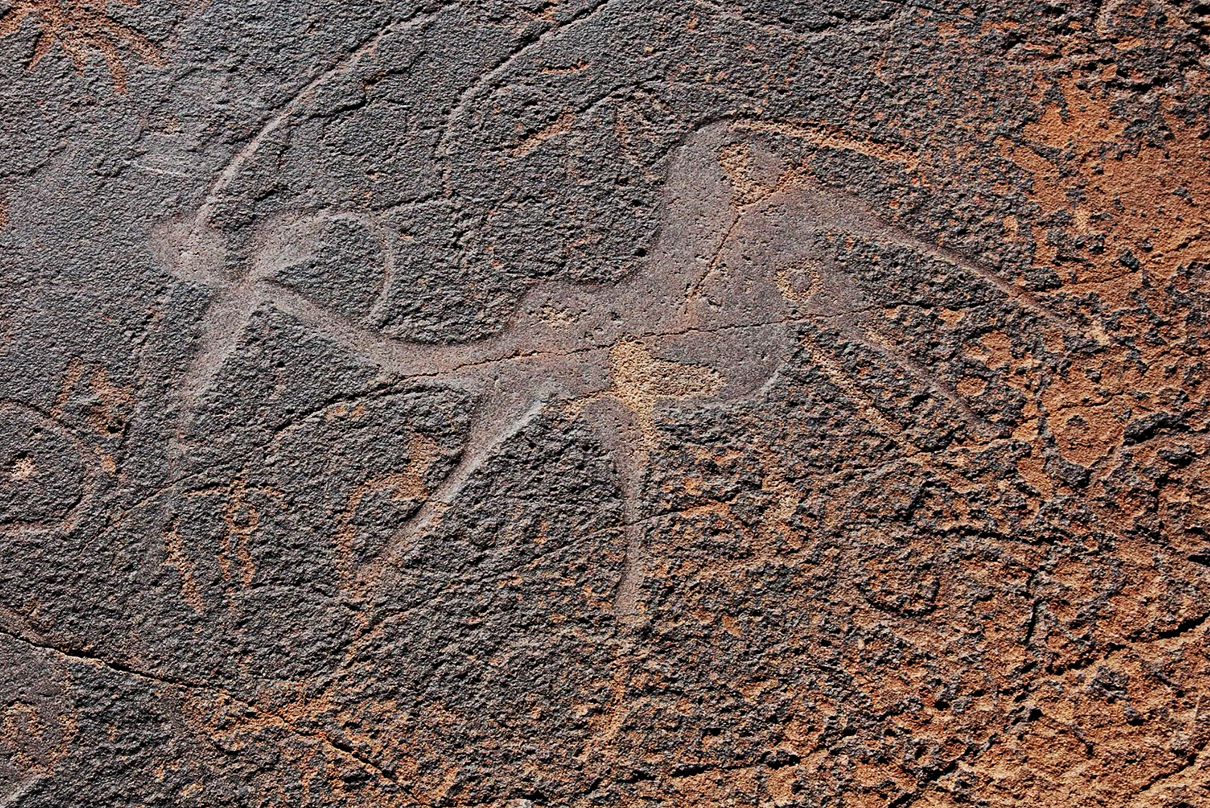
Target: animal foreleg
<point x="506" y="408"/>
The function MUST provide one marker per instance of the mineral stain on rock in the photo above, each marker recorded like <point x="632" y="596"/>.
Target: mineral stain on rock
<point x="615" y="402"/>
<point x="80" y="27"/>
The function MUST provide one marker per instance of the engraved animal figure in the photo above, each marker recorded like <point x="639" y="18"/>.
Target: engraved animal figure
<point x="707" y="318"/>
<point x="80" y="26"/>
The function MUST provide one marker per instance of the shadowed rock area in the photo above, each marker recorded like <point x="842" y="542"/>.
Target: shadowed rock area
<point x="604" y="403"/>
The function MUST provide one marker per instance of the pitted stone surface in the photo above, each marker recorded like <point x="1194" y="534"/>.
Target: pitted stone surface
<point x="607" y="402"/>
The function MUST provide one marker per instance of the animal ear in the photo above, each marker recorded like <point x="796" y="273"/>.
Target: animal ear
<point x="340" y="260"/>
<point x="283" y="240"/>
<point x="699" y="202"/>
<point x="190" y="249"/>
<point x="797" y="140"/>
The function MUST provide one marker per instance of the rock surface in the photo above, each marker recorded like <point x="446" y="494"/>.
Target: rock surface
<point x="604" y="402"/>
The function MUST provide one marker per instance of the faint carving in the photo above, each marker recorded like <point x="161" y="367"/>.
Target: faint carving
<point x="37" y="721"/>
<point x="81" y="26"/>
<point x="178" y="558"/>
<point x="46" y="472"/>
<point x="96" y="407"/>
<point x="408" y="485"/>
<point x="241" y="519"/>
<point x="231" y="512"/>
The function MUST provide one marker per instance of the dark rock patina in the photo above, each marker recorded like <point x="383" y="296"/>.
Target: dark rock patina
<point x="755" y="403"/>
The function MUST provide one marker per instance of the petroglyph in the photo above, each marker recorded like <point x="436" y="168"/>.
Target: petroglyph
<point x="592" y="402"/>
<point x="709" y="319"/>
<point x="714" y="297"/>
<point x="408" y="485"/>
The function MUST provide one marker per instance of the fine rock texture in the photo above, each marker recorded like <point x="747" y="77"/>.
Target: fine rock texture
<point x="604" y="403"/>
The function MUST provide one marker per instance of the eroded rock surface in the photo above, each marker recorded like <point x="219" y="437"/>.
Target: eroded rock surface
<point x="498" y="403"/>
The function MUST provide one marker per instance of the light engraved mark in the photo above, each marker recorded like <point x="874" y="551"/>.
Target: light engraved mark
<point x="47" y="473"/>
<point x="241" y="519"/>
<point x="179" y="560"/>
<point x="561" y="126"/>
<point x="409" y="484"/>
